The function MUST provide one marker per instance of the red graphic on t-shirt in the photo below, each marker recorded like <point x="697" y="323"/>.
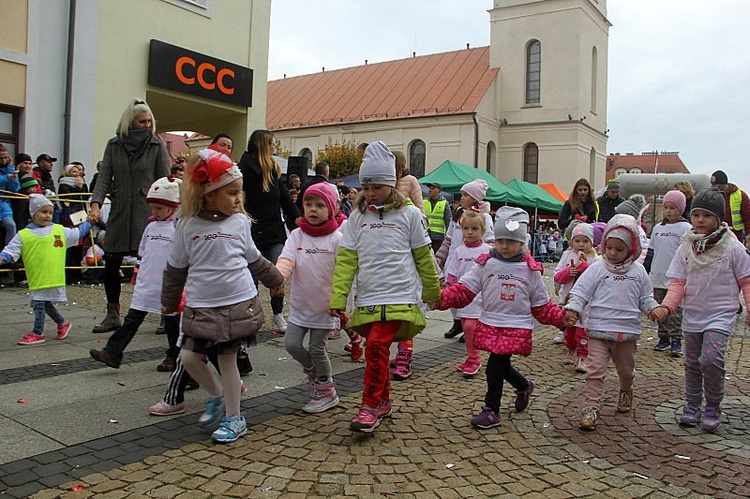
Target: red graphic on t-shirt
<point x="58" y="242"/>
<point x="508" y="292"/>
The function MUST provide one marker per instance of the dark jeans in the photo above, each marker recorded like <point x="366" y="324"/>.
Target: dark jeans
<point x="112" y="264"/>
<point x="271" y="252"/>
<point x="499" y="370"/>
<point x="40" y="309"/>
<point x="120" y="339"/>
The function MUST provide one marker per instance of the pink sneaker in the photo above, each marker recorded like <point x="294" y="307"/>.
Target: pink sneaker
<point x="163" y="409"/>
<point x="335" y="333"/>
<point x="570" y="357"/>
<point x="63" y="330"/>
<point x="471" y="367"/>
<point x="31" y="339"/>
<point x="356" y="350"/>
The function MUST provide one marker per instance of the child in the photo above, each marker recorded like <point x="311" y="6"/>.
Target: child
<point x="608" y="298"/>
<point x="459" y="263"/>
<point x="572" y="264"/>
<point x="665" y="239"/>
<point x="42" y="246"/>
<point x="385" y="244"/>
<point x="164" y="199"/>
<point x="636" y="206"/>
<point x="309" y="257"/>
<point x="708" y="271"/>
<point x="513" y="294"/>
<point x="212" y="259"/>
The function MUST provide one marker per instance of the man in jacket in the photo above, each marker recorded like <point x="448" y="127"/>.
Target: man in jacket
<point x="43" y="172"/>
<point x="737" y="208"/>
<point x="609" y="200"/>
<point x="438" y="213"/>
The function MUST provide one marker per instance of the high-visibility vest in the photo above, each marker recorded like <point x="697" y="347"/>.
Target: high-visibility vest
<point x="735" y="204"/>
<point x="44" y="257"/>
<point x="435" y="216"/>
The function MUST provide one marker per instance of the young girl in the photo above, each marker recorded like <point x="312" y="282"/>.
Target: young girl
<point x="472" y="195"/>
<point x="609" y="297"/>
<point x="513" y="294"/>
<point x="665" y="239"/>
<point x="309" y="258"/>
<point x="385" y="244"/>
<point x="459" y="263"/>
<point x="572" y="264"/>
<point x="212" y="258"/>
<point x="164" y="199"/>
<point x="708" y="271"/>
<point x="42" y="246"/>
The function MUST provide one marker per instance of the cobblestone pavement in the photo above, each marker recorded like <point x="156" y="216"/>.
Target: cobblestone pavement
<point x="428" y="448"/>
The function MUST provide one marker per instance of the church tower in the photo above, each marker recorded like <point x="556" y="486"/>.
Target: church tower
<point x="551" y="90"/>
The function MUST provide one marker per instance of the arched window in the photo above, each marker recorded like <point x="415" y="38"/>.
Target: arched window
<point x="417" y="158"/>
<point x="307" y="153"/>
<point x="620" y="171"/>
<point x="533" y="72"/>
<point x="594" y="70"/>
<point x="490" y="156"/>
<point x="531" y="163"/>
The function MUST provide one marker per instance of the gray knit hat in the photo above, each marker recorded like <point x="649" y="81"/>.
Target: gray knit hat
<point x="583" y="229"/>
<point x="633" y="206"/>
<point x="511" y="223"/>
<point x="710" y="200"/>
<point x="378" y="165"/>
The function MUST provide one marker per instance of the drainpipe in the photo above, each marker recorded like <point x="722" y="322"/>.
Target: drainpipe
<point x="69" y="80"/>
<point x="476" y="140"/>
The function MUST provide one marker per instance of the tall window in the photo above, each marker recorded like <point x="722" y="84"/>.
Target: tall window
<point x="531" y="163"/>
<point x="490" y="156"/>
<point x="9" y="129"/>
<point x="533" y="72"/>
<point x="417" y="158"/>
<point x="594" y="64"/>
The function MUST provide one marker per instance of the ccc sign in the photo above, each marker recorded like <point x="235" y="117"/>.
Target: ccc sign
<point x="198" y="74"/>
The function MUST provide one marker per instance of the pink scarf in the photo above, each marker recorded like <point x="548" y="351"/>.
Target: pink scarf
<point x="323" y="229"/>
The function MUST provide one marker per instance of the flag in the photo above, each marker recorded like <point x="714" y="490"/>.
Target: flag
<point x="656" y="165"/>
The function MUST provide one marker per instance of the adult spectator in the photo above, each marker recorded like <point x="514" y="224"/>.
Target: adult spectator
<point x="9" y="183"/>
<point x="295" y="182"/>
<point x="43" y="172"/>
<point x="133" y="160"/>
<point x="345" y="204"/>
<point x="265" y="198"/>
<point x="24" y="166"/>
<point x="5" y="158"/>
<point x="406" y="184"/>
<point x="438" y="213"/>
<point x="178" y="169"/>
<point x="73" y="192"/>
<point x="322" y="172"/>
<point x="686" y="188"/>
<point x="95" y="177"/>
<point x="608" y="201"/>
<point x="581" y="205"/>
<point x="223" y="143"/>
<point x="737" y="205"/>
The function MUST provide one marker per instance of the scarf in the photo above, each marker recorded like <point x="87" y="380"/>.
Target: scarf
<point x="619" y="268"/>
<point x="135" y="142"/>
<point x="706" y="254"/>
<point x="331" y="225"/>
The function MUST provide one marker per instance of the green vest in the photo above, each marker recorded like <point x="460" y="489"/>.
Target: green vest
<point x="44" y="257"/>
<point x="435" y="216"/>
<point x="735" y="204"/>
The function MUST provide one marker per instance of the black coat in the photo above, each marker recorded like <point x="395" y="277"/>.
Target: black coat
<point x="607" y="206"/>
<point x="265" y="207"/>
<point x="588" y="211"/>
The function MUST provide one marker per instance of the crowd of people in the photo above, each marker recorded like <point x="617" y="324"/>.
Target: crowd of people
<point x="206" y="230"/>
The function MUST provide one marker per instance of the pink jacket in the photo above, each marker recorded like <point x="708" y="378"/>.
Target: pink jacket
<point x="409" y="187"/>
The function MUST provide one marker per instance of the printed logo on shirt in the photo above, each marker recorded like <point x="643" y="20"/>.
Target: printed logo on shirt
<point x="508" y="292"/>
<point x="159" y="237"/>
<point x="315" y="251"/>
<point x="616" y="278"/>
<point x="379" y="225"/>
<point x="505" y="277"/>
<point x="215" y="235"/>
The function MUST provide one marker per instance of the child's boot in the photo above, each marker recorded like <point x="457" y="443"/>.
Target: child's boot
<point x="403" y="362"/>
<point x="711" y="418"/>
<point x="691" y="415"/>
<point x="324" y="397"/>
<point x="570" y="357"/>
<point x="581" y="365"/>
<point x="112" y="321"/>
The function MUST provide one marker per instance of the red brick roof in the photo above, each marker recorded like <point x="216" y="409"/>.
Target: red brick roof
<point x="669" y="162"/>
<point x="431" y="85"/>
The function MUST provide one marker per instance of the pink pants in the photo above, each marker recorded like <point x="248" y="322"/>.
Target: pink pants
<point x="622" y="354"/>
<point x="576" y="339"/>
<point x="469" y="325"/>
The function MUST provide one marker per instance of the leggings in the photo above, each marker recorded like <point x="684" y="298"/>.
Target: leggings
<point x="705" y="367"/>
<point x="315" y="357"/>
<point x="499" y="370"/>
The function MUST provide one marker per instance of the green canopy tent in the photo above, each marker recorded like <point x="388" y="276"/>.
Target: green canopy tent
<point x="452" y="176"/>
<point x="543" y="200"/>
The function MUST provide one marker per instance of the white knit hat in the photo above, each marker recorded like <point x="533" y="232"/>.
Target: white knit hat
<point x="37" y="202"/>
<point x="378" y="165"/>
<point x="511" y="223"/>
<point x="583" y="229"/>
<point x="477" y="189"/>
<point x="166" y="191"/>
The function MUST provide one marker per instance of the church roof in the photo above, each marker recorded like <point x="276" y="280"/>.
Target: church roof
<point x="432" y="85"/>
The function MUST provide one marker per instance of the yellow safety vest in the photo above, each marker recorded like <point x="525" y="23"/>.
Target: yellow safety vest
<point x="735" y="204"/>
<point x="435" y="216"/>
<point x="44" y="257"/>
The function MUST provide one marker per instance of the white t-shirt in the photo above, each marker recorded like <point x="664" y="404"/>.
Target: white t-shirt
<point x="613" y="301"/>
<point x="665" y="239"/>
<point x="459" y="263"/>
<point x="156" y="243"/>
<point x="457" y="234"/>
<point x="387" y="274"/>
<point x="217" y="254"/>
<point x="312" y="279"/>
<point x="711" y="292"/>
<point x="508" y="291"/>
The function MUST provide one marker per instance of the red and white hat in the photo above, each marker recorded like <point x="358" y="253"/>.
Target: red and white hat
<point x="166" y="191"/>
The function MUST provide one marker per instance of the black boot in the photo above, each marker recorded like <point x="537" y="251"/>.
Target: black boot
<point x="455" y="330"/>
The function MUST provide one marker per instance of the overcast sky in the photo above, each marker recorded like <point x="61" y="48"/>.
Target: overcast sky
<point x="679" y="70"/>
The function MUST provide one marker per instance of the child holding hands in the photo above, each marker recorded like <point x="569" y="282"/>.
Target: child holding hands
<point x="513" y="294"/>
<point x="385" y="244"/>
<point x="309" y="258"/>
<point x="608" y="299"/>
<point x="212" y="259"/>
<point x="707" y="273"/>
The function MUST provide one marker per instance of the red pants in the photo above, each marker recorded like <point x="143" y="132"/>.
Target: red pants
<point x="377" y="357"/>
<point x="577" y="339"/>
<point x="469" y="325"/>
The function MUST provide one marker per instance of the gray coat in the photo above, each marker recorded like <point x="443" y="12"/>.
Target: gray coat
<point x="127" y="184"/>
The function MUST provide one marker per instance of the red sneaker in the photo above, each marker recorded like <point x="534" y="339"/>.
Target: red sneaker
<point x="63" y="330"/>
<point x="31" y="339"/>
<point x="356" y="350"/>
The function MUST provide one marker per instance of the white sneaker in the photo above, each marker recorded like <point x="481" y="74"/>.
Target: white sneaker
<point x="559" y="338"/>
<point x="280" y="323"/>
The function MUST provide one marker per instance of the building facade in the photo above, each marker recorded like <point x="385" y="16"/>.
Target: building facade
<point x="69" y="68"/>
<point x="532" y="105"/>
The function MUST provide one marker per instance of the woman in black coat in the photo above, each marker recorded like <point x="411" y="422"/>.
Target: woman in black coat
<point x="581" y="205"/>
<point x="266" y="197"/>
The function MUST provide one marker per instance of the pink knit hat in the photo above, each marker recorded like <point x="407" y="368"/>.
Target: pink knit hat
<point x="476" y="189"/>
<point x="328" y="193"/>
<point x="676" y="197"/>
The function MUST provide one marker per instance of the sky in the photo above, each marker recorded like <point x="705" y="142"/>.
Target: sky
<point x="679" y="70"/>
